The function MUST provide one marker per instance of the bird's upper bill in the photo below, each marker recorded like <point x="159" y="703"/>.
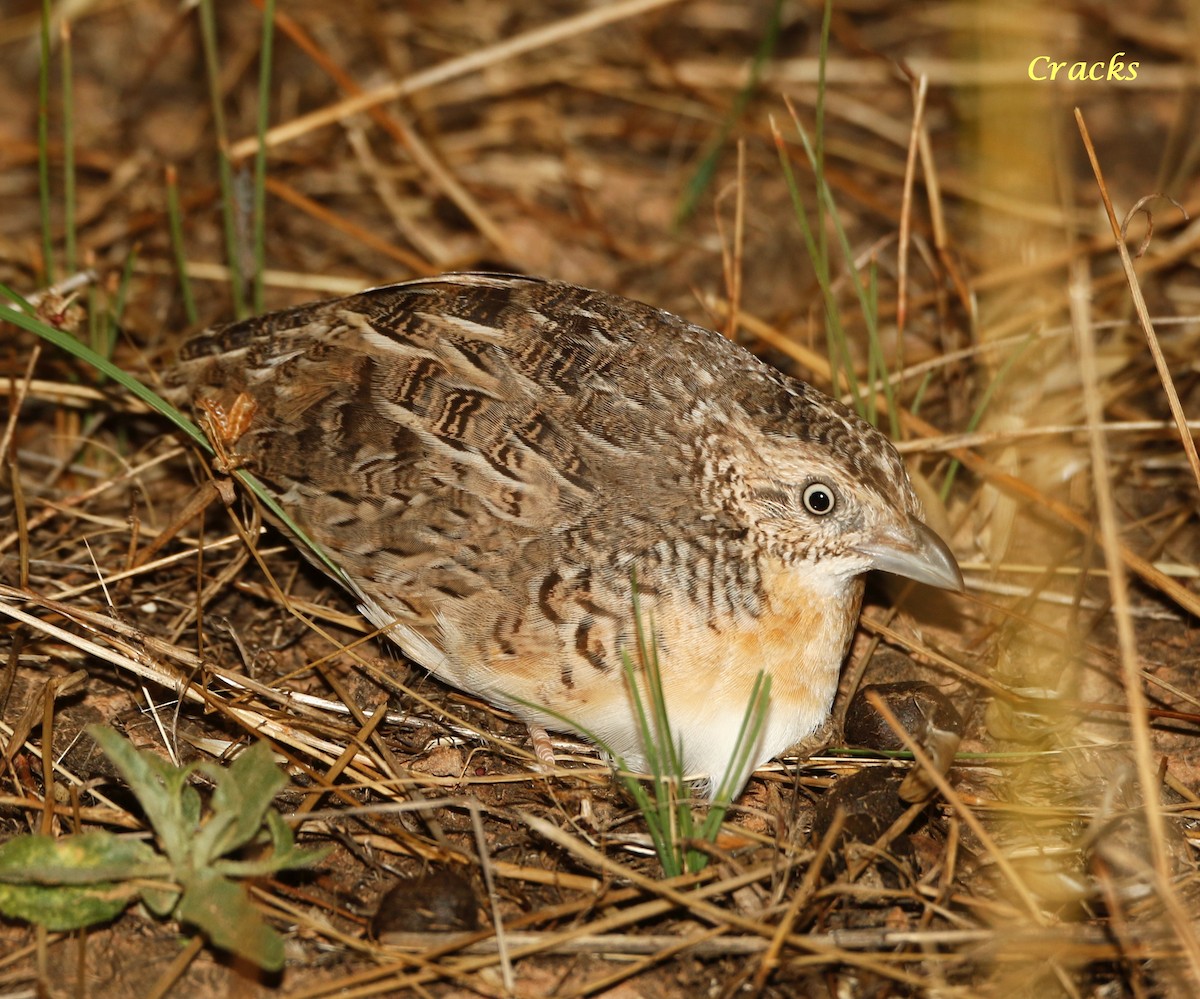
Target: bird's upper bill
<point x="916" y="552"/>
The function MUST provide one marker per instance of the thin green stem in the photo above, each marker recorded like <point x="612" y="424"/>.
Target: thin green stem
<point x="260" y="157"/>
<point x="914" y="407"/>
<point x="707" y="169"/>
<point x="118" y="307"/>
<point x="871" y="317"/>
<point x="43" y="141"/>
<point x="840" y="359"/>
<point x="175" y="222"/>
<point x="68" y="126"/>
<point x="818" y="154"/>
<point x="95" y="320"/>
<point x="229" y="209"/>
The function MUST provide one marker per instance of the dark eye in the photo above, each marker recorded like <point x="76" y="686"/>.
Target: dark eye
<point x="819" y="499"/>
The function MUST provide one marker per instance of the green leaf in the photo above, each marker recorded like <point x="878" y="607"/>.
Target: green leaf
<point x="89" y="858"/>
<point x="67" y="883"/>
<point x="160" y="901"/>
<point x="244" y="793"/>
<point x="172" y="807"/>
<point x="222" y="910"/>
<point x="210" y="900"/>
<point x="190" y="806"/>
<point x="65" y="908"/>
<point x="285" y="855"/>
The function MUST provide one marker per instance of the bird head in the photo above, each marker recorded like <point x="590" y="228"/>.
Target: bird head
<point x="824" y="485"/>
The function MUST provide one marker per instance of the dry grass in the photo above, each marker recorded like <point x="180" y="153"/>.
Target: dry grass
<point x="1058" y="854"/>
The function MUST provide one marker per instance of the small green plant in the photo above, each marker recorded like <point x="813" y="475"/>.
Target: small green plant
<point x="816" y="240"/>
<point x="191" y="875"/>
<point x="670" y="815"/>
<point x="670" y="812"/>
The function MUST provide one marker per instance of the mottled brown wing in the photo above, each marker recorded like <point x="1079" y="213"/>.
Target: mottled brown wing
<point x="479" y="435"/>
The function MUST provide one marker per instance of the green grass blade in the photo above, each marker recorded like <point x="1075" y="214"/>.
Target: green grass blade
<point x="65" y="341"/>
<point x="865" y="292"/>
<point x="881" y="375"/>
<point x="175" y="223"/>
<point x="711" y="156"/>
<point x="43" y="143"/>
<point x="68" y="128"/>
<point x="914" y="407"/>
<point x="840" y="363"/>
<point x="260" y="157"/>
<point x="816" y="241"/>
<point x="95" y="318"/>
<point x="117" y="312"/>
<point x="208" y="35"/>
<point x="753" y="720"/>
<point x="18" y="299"/>
<point x="818" y="161"/>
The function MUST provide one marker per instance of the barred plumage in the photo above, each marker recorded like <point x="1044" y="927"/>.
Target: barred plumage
<point x="490" y="458"/>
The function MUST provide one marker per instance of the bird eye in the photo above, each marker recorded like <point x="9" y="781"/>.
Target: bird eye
<point x="819" y="499"/>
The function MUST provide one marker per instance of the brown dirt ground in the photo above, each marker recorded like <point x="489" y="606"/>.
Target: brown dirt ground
<point x="569" y="158"/>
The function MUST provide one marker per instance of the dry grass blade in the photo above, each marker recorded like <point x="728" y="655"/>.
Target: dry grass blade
<point x="538" y="38"/>
<point x="285" y="192"/>
<point x="938" y="779"/>
<point x="1139" y="722"/>
<point x="920" y="90"/>
<point x="400" y="131"/>
<point x="559" y="139"/>
<point x="1139" y="302"/>
<point x="716" y="915"/>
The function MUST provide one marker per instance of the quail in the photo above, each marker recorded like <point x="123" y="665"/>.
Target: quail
<point x="497" y="462"/>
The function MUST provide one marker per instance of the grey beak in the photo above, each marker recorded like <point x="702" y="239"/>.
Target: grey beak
<point x="916" y="553"/>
